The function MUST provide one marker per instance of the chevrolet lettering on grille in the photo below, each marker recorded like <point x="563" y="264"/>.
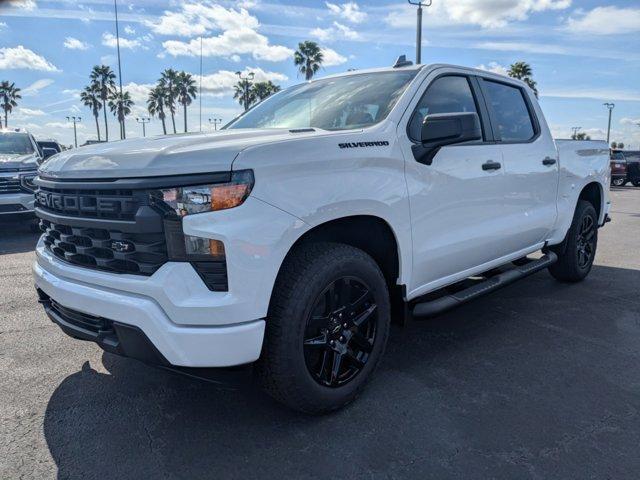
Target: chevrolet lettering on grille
<point x="73" y="203"/>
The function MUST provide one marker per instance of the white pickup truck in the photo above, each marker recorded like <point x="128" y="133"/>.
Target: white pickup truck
<point x="287" y="239"/>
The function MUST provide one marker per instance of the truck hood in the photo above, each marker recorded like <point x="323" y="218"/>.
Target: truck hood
<point x="159" y="156"/>
<point x="18" y="161"/>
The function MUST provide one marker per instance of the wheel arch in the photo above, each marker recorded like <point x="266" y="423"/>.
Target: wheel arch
<point x="593" y="193"/>
<point x="369" y="233"/>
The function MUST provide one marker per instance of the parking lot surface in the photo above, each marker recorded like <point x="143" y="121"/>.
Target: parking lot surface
<point x="539" y="380"/>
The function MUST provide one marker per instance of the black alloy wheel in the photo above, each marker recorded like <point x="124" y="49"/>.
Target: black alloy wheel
<point x="585" y="241"/>
<point x="340" y="332"/>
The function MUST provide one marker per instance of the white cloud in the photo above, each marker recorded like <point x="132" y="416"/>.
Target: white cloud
<point x="349" y="11"/>
<point x="229" y="43"/>
<point x="3" y="25"/>
<point x="23" y="4"/>
<point x="523" y="47"/>
<point x="494" y="67"/>
<point x="222" y="82"/>
<point x="484" y="13"/>
<point x="630" y="121"/>
<point x="198" y="19"/>
<point x="607" y="20"/>
<point x="332" y="58"/>
<point x="20" y="57"/>
<point x="28" y="112"/>
<point x="36" y="86"/>
<point x="109" y="40"/>
<point x="604" y="94"/>
<point x="335" y="32"/>
<point x="129" y="30"/>
<point x="74" y="44"/>
<point x="79" y="126"/>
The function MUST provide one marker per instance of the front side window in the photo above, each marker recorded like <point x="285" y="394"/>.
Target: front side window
<point x="511" y="115"/>
<point x="341" y="103"/>
<point x="15" y="144"/>
<point x="451" y="94"/>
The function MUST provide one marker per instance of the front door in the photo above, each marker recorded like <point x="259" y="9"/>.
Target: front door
<point x="456" y="202"/>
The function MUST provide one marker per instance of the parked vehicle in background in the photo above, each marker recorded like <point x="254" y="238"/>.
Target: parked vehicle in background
<point x="19" y="159"/>
<point x="632" y="158"/>
<point x="618" y="169"/>
<point x="49" y="147"/>
<point x="287" y="238"/>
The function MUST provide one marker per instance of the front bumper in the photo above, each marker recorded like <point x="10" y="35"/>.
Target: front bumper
<point x="16" y="204"/>
<point x="178" y="344"/>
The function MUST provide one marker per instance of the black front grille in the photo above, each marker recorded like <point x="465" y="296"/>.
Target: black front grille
<point x="104" y="249"/>
<point x="10" y="185"/>
<point x="101" y="204"/>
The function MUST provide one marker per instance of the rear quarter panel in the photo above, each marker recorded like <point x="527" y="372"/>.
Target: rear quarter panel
<point x="581" y="163"/>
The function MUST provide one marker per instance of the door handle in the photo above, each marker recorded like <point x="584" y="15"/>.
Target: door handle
<point x="491" y="165"/>
<point x="549" y="161"/>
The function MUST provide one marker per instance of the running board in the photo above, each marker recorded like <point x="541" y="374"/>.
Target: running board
<point x="439" y="305"/>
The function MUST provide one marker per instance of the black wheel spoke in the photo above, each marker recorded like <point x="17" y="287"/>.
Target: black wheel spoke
<point x="351" y="357"/>
<point x="344" y="292"/>
<point x="364" y="317"/>
<point x="361" y="342"/>
<point x="316" y="342"/>
<point x="335" y="367"/>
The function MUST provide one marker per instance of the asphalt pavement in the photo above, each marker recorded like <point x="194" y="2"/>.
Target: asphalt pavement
<point x="539" y="380"/>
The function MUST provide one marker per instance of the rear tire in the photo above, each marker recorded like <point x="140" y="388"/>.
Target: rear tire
<point x="618" y="182"/>
<point x="636" y="183"/>
<point x="321" y="290"/>
<point x="577" y="252"/>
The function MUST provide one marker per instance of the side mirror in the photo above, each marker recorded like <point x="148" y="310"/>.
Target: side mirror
<point x="446" y="129"/>
<point x="48" y="152"/>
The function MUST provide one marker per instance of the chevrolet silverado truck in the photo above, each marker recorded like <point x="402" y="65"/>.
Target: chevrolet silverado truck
<point x="287" y="239"/>
<point x="19" y="158"/>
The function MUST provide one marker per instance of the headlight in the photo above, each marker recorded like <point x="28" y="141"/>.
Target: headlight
<point x="206" y="198"/>
<point x="26" y="181"/>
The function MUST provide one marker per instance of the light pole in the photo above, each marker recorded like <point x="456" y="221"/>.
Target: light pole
<point x="143" y="121"/>
<point x="420" y="4"/>
<point x="248" y="78"/>
<point x="115" y="7"/>
<point x="215" y="122"/>
<point x="75" y="133"/>
<point x="574" y="131"/>
<point x="610" y="107"/>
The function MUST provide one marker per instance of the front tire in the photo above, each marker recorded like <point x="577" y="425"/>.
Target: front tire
<point x="577" y="252"/>
<point x="327" y="327"/>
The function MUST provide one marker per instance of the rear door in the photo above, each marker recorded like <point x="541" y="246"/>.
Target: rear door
<point x="531" y="164"/>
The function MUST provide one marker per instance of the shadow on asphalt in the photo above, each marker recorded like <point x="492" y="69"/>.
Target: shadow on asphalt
<point x="18" y="236"/>
<point x="536" y="380"/>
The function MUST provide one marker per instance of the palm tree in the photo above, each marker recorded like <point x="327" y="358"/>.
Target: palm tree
<point x="186" y="92"/>
<point x="244" y="93"/>
<point x="103" y="80"/>
<point x="90" y="97"/>
<point x="120" y="105"/>
<point x="155" y="105"/>
<point x="522" y="71"/>
<point x="8" y="96"/>
<point x="308" y="58"/>
<point x="262" y="90"/>
<point x="169" y="79"/>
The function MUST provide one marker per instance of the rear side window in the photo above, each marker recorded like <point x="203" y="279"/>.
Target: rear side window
<point x="451" y="94"/>
<point x="511" y="115"/>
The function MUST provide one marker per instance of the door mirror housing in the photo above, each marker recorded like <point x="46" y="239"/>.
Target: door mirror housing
<point x="444" y="129"/>
<point x="48" y="152"/>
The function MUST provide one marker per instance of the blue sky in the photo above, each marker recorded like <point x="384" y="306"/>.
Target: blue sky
<point x="583" y="53"/>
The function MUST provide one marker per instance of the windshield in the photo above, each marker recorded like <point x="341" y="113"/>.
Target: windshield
<point x="341" y="103"/>
<point x="15" y="143"/>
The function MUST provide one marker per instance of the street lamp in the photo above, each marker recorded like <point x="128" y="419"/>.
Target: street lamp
<point x="610" y="107"/>
<point x="420" y="4"/>
<point x="248" y="78"/>
<point x="215" y="122"/>
<point x="574" y="131"/>
<point x="143" y="121"/>
<point x="75" y="134"/>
